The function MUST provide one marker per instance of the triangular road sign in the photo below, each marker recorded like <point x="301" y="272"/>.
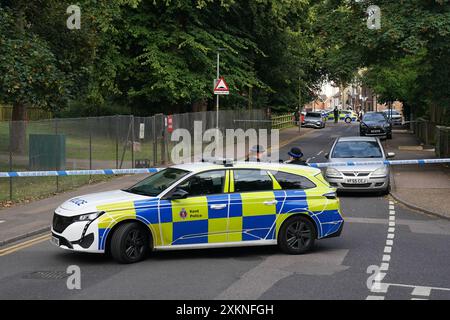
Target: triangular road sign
<point x="221" y="87"/>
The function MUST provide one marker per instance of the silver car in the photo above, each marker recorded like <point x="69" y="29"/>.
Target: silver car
<point x="363" y="178"/>
<point x="314" y="120"/>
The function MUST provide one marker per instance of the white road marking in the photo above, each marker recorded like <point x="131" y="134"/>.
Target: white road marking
<point x="320" y="153"/>
<point x="421" y="291"/>
<point x="1" y="221"/>
<point x="377" y="286"/>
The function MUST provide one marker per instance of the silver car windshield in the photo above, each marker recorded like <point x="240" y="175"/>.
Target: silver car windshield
<point x="357" y="149"/>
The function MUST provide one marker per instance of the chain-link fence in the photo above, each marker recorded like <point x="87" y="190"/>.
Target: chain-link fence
<point x="99" y="143"/>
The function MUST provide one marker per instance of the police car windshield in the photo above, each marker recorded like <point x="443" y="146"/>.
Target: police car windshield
<point x="314" y="115"/>
<point x="157" y="183"/>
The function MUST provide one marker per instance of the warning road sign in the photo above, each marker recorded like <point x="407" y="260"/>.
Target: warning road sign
<point x="221" y="87"/>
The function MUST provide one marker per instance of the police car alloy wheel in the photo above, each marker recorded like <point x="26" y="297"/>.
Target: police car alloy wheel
<point x="297" y="235"/>
<point x="130" y="243"/>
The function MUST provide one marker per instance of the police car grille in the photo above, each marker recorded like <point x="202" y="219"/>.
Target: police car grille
<point x="60" y="223"/>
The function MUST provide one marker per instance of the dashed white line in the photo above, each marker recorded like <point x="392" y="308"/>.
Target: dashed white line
<point x="320" y="153"/>
<point x="378" y="286"/>
<point x="1" y="221"/>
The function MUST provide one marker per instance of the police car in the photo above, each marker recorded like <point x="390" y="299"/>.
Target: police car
<point x="203" y="205"/>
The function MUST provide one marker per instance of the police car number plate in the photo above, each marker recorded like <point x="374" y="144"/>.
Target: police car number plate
<point x="55" y="241"/>
<point x="357" y="181"/>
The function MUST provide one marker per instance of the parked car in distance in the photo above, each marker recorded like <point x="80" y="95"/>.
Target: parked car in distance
<point x="394" y="116"/>
<point x="361" y="178"/>
<point x="375" y="124"/>
<point x="314" y="120"/>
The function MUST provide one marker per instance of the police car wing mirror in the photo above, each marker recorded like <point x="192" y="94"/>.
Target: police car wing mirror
<point x="327" y="156"/>
<point x="390" y="155"/>
<point x="178" y="194"/>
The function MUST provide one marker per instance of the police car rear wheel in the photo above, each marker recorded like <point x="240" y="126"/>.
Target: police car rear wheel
<point x="129" y="243"/>
<point x="297" y="236"/>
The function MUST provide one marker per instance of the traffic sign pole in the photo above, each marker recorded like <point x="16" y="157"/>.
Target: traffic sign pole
<point x="217" y="102"/>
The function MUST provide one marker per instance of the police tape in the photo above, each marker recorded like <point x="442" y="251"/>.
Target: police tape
<point x="65" y="173"/>
<point x="384" y="162"/>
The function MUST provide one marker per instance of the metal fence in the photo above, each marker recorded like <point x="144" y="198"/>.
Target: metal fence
<point x="114" y="142"/>
<point x="442" y="135"/>
<point x="432" y="134"/>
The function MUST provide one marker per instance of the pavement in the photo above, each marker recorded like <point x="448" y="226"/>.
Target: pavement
<point x="406" y="250"/>
<point x="425" y="188"/>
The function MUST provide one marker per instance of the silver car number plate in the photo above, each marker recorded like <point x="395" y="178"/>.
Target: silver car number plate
<point x="55" y="241"/>
<point x="357" y="181"/>
<point x="376" y="131"/>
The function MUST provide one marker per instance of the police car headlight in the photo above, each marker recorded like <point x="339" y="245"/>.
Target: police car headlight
<point x="333" y="173"/>
<point x="89" y="216"/>
<point x="380" y="172"/>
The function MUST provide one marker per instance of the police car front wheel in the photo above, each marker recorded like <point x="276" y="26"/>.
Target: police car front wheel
<point x="297" y="235"/>
<point x="130" y="243"/>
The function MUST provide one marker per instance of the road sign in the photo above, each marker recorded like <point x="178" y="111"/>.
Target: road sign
<point x="221" y="87"/>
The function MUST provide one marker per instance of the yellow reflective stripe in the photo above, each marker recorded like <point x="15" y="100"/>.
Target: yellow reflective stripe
<point x="231" y="181"/>
<point x="115" y="213"/>
<point x="227" y="182"/>
<point x="276" y="185"/>
<point x="196" y="209"/>
<point x="253" y="203"/>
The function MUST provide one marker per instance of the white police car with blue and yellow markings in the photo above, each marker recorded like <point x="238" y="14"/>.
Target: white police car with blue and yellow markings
<point x="203" y="205"/>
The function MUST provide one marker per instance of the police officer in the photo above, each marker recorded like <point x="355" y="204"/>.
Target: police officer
<point x="296" y="157"/>
<point x="336" y="115"/>
<point x="256" y="154"/>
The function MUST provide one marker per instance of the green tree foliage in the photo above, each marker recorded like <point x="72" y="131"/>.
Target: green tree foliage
<point x="408" y="58"/>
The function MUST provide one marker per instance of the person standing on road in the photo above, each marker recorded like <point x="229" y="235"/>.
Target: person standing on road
<point x="256" y="154"/>
<point x="336" y="115"/>
<point x="296" y="157"/>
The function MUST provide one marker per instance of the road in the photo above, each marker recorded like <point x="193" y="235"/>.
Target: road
<point x="410" y="247"/>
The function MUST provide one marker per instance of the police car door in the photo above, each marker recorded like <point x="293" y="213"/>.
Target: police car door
<point x="201" y="217"/>
<point x="254" y="217"/>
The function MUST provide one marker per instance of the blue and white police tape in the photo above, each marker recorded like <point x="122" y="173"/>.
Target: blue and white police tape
<point x="384" y="162"/>
<point x="66" y="173"/>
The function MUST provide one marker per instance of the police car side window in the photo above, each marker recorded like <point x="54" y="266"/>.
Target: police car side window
<point x="205" y="183"/>
<point x="289" y="181"/>
<point x="252" y="181"/>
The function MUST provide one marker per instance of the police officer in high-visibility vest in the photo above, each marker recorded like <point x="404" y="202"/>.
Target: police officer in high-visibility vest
<point x="296" y="157"/>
